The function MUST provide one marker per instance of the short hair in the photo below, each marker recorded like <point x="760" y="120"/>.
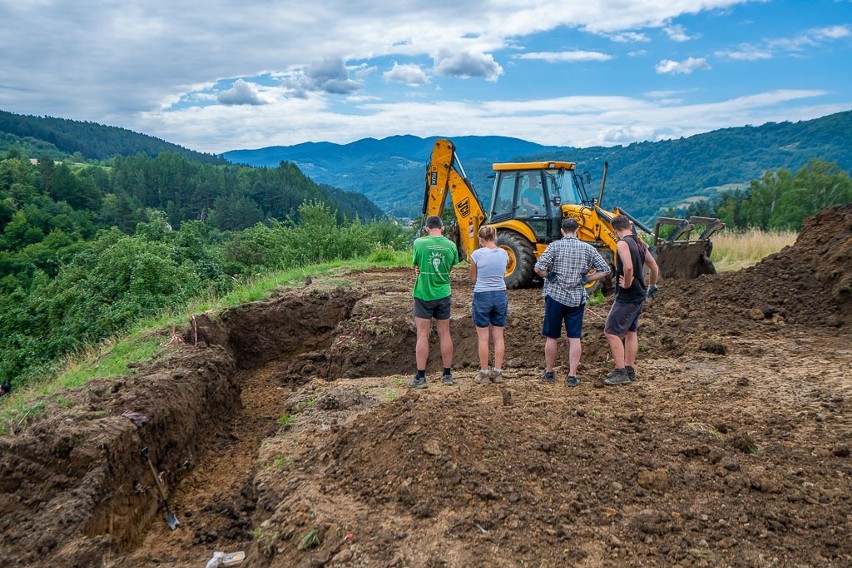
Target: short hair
<point x="434" y="222"/>
<point x="570" y="225"/>
<point x="488" y="233"/>
<point x="620" y="222"/>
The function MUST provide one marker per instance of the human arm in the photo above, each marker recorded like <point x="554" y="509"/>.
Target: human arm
<point x="472" y="269"/>
<point x="653" y="273"/>
<point x="599" y="268"/>
<point x="623" y="251"/>
<point x="545" y="263"/>
<point x="653" y="268"/>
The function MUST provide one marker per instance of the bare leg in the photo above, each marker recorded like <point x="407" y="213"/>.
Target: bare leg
<point x="631" y="348"/>
<point x="550" y="346"/>
<point x="575" y="349"/>
<point x="446" y="342"/>
<point x="499" y="346"/>
<point x="617" y="348"/>
<point x="421" y="350"/>
<point x="482" y="346"/>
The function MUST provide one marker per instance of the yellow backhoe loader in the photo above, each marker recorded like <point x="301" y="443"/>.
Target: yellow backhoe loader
<point x="529" y="201"/>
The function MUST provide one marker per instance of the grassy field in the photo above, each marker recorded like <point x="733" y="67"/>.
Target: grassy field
<point x="734" y="250"/>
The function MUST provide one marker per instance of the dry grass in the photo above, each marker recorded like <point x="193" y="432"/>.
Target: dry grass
<point x="734" y="250"/>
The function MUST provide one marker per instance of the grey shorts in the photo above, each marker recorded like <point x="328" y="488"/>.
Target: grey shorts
<point x="622" y="318"/>
<point x="438" y="309"/>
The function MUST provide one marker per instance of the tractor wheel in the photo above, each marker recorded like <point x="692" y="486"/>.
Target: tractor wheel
<point x="519" y="271"/>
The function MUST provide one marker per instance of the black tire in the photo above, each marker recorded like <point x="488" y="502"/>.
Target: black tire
<point x="520" y="270"/>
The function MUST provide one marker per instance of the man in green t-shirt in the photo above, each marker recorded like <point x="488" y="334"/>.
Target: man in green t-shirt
<point x="434" y="256"/>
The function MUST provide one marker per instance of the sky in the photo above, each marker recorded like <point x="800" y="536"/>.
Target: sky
<point x="219" y="75"/>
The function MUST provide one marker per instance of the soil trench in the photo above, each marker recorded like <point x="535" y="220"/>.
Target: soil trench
<point x="284" y="428"/>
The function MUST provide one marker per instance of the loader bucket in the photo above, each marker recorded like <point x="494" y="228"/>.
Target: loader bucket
<point x="680" y="257"/>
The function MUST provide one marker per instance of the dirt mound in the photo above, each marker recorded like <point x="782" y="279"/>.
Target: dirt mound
<point x="536" y="474"/>
<point x="808" y="283"/>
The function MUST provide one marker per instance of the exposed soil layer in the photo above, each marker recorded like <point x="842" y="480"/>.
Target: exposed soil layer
<point x="285" y="429"/>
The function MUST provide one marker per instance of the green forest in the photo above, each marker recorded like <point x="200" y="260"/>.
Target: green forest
<point x="88" y="248"/>
<point x="779" y="200"/>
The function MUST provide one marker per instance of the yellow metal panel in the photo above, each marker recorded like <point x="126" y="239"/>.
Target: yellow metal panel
<point x="533" y="166"/>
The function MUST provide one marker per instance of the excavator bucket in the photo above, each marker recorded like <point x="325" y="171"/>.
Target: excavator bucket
<point x="677" y="255"/>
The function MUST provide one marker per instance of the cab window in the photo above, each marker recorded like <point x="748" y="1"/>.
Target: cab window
<point x="504" y="194"/>
<point x="531" y="195"/>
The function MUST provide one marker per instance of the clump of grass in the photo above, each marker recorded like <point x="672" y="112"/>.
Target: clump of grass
<point x="286" y="420"/>
<point x="300" y="406"/>
<point x="596" y="298"/>
<point x="734" y="250"/>
<point x="280" y="462"/>
<point x="310" y="540"/>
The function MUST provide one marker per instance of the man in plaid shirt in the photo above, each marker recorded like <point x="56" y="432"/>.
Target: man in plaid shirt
<point x="565" y="266"/>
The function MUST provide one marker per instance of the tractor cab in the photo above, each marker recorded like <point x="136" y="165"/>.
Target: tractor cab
<point x="534" y="193"/>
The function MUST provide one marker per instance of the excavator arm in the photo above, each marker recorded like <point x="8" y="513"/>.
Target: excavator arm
<point x="445" y="176"/>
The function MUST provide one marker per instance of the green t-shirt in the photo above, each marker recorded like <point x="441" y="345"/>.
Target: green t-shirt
<point x="435" y="256"/>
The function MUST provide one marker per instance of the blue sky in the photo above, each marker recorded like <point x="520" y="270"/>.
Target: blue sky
<point x="220" y="75"/>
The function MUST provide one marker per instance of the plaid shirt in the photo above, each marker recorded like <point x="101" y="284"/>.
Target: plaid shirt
<point x="570" y="258"/>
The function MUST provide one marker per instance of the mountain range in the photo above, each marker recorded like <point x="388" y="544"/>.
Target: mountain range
<point x="644" y="178"/>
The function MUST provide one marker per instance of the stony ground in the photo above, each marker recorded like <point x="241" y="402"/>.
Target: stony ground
<point x="284" y="429"/>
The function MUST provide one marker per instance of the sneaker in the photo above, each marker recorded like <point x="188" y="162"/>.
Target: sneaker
<point x="572" y="381"/>
<point x="417" y="383"/>
<point x="482" y="377"/>
<point x="447" y="379"/>
<point x="496" y="377"/>
<point x="549" y="376"/>
<point x="617" y="377"/>
<point x="631" y="372"/>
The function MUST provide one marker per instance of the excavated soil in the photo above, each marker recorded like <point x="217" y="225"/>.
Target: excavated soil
<point x="284" y="429"/>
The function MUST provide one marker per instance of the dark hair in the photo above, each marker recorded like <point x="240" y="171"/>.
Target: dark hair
<point x="570" y="225"/>
<point x="620" y="222"/>
<point x="434" y="222"/>
<point x="488" y="233"/>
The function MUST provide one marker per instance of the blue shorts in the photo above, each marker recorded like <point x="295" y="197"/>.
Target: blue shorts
<point x="490" y="308"/>
<point x="555" y="313"/>
<point x="622" y="318"/>
<point x="428" y="309"/>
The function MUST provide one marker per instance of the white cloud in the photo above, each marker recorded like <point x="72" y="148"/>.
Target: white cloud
<point x="407" y="74"/>
<point x="241" y="93"/>
<point x="677" y="33"/>
<point x="159" y="67"/>
<point x="628" y="37"/>
<point x="565" y="56"/>
<point x="812" y="38"/>
<point x="684" y="67"/>
<point x="467" y="65"/>
<point x="745" y="52"/>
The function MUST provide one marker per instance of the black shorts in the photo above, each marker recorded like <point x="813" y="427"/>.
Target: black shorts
<point x="438" y="309"/>
<point x="622" y="318"/>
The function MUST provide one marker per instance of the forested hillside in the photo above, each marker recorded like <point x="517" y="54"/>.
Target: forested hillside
<point x="47" y="209"/>
<point x="644" y="178"/>
<point x="59" y="138"/>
